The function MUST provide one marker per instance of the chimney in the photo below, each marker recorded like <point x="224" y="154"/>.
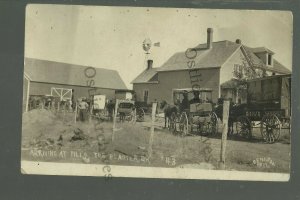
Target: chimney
<point x="149" y="64"/>
<point x="238" y="41"/>
<point x="210" y="32"/>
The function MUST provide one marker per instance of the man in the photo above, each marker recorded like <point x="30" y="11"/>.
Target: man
<point x="185" y="102"/>
<point x="83" y="109"/>
<point x="196" y="98"/>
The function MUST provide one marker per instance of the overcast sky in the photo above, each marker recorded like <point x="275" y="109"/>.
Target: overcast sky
<point x="112" y="37"/>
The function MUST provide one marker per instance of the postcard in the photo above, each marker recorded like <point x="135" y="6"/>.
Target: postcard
<point x="144" y="92"/>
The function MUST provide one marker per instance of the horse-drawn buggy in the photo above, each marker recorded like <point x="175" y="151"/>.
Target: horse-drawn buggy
<point x="191" y="112"/>
<point x="128" y="111"/>
<point x="268" y="107"/>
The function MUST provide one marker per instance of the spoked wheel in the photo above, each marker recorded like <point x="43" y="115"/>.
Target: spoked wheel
<point x="270" y="128"/>
<point x="140" y="114"/>
<point x="130" y="117"/>
<point x="244" y="127"/>
<point x="213" y="124"/>
<point x="183" y="124"/>
<point x="173" y="121"/>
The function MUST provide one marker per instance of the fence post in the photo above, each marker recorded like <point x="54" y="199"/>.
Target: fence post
<point x="75" y="117"/>
<point x="154" y="105"/>
<point x="224" y="133"/>
<point x="114" y="120"/>
<point x="134" y="120"/>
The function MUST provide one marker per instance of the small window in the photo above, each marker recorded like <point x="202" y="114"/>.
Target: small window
<point x="269" y="59"/>
<point x="238" y="71"/>
<point x="146" y="94"/>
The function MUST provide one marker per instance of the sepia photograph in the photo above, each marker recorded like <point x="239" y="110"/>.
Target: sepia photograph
<point x="144" y="92"/>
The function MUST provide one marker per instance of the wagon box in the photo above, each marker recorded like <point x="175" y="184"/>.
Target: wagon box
<point x="256" y="115"/>
<point x="268" y="101"/>
<point x="271" y="93"/>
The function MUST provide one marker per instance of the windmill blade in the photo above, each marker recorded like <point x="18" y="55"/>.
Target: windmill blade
<point x="157" y="44"/>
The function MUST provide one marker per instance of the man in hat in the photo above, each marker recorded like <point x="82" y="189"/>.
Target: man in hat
<point x="83" y="109"/>
<point x="196" y="98"/>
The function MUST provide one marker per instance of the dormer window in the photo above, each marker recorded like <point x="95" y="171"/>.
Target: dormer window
<point x="264" y="54"/>
<point x="269" y="59"/>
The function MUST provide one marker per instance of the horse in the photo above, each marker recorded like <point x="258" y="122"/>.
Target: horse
<point x="168" y="111"/>
<point x="235" y="111"/>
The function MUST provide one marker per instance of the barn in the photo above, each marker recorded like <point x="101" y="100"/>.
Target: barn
<point x="210" y="65"/>
<point x="43" y="77"/>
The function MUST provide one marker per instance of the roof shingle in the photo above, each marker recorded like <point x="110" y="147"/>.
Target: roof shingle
<point x="206" y="58"/>
<point x="70" y="74"/>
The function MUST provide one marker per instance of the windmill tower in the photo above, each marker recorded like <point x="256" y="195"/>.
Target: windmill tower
<point x="146" y="47"/>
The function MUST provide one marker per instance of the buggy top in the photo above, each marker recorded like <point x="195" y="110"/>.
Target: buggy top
<point x="189" y="90"/>
<point x="205" y="94"/>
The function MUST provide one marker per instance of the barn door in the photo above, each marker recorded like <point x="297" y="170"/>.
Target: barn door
<point x="62" y="93"/>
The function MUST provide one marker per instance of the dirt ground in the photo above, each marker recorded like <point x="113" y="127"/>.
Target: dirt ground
<point x="54" y="137"/>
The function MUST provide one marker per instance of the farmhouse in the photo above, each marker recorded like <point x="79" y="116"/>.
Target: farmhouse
<point x="215" y="66"/>
<point x="42" y="77"/>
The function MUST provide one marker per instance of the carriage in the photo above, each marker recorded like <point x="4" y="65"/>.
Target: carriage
<point x="268" y="107"/>
<point x="195" y="114"/>
<point x="128" y="111"/>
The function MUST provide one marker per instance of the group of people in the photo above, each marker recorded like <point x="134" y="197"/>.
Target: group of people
<point x="50" y="103"/>
<point x="185" y="103"/>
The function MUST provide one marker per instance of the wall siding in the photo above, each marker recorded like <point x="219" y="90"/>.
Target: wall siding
<point x="210" y="78"/>
<point x="228" y="68"/>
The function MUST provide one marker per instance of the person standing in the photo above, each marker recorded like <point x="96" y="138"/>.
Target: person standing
<point x="83" y="109"/>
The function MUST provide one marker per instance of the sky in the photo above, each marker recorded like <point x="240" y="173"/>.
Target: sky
<point x="112" y="37"/>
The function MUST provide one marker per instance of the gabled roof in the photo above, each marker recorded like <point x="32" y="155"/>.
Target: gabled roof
<point x="147" y="76"/>
<point x="277" y="66"/>
<point x="206" y="58"/>
<point x="261" y="50"/>
<point x="62" y="73"/>
<point x="210" y="58"/>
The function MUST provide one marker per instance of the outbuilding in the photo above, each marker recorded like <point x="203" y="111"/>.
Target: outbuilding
<point x="65" y="81"/>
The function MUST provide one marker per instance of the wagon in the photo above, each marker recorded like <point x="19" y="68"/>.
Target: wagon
<point x="129" y="112"/>
<point x="268" y="106"/>
<point x="194" y="116"/>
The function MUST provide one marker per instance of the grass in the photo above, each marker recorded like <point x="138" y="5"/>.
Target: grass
<point x="132" y="141"/>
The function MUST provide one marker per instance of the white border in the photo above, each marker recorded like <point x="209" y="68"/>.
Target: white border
<point x="70" y="169"/>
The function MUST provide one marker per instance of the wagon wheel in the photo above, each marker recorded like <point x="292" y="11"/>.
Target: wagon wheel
<point x="183" y="124"/>
<point x="129" y="117"/>
<point x="270" y="128"/>
<point x="173" y="120"/>
<point x="140" y="114"/>
<point x="213" y="124"/>
<point x="244" y="127"/>
<point x="208" y="126"/>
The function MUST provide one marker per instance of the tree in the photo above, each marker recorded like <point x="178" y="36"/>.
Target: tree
<point x="246" y="71"/>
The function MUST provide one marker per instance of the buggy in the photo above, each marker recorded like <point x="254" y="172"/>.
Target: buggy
<point x="195" y="111"/>
<point x="128" y="111"/>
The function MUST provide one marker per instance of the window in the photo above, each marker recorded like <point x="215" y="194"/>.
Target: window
<point x="269" y="59"/>
<point x="146" y="94"/>
<point x="238" y="71"/>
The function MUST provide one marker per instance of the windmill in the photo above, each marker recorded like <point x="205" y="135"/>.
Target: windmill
<point x="147" y="46"/>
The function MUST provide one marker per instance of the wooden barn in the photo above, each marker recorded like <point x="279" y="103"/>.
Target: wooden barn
<point x="43" y="77"/>
<point x="210" y="65"/>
